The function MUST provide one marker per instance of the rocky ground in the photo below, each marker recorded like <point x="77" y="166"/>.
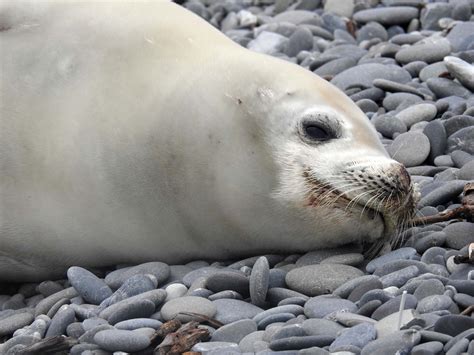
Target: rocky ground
<point x="408" y="65"/>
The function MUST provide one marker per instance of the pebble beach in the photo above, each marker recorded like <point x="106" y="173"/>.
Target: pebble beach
<point x="408" y="65"/>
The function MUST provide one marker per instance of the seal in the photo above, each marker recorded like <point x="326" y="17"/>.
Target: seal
<point x="135" y="131"/>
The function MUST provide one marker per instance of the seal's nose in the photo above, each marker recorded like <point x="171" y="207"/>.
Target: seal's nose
<point x="404" y="177"/>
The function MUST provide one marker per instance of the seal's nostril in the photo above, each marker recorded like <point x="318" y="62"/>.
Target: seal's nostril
<point x="405" y="178"/>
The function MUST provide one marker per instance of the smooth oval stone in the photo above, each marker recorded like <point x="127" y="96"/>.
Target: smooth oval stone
<point x="320" y="306"/>
<point x="229" y="310"/>
<point x="410" y="148"/>
<point x="359" y="336"/>
<point x="296" y="343"/>
<point x="432" y="347"/>
<point x="159" y="270"/>
<point x="320" y="326"/>
<point x="60" y="321"/>
<point x="387" y="15"/>
<point x="402" y="341"/>
<point x="45" y="305"/>
<point x="121" y="340"/>
<point x="175" y="291"/>
<point x="320" y="279"/>
<point x="400" y="277"/>
<point x="389" y="325"/>
<point x="462" y="140"/>
<point x="428" y="50"/>
<point x="461" y="70"/>
<point x="172" y="308"/>
<point x="364" y="74"/>
<point x="136" y="323"/>
<point x="91" y="288"/>
<point x="434" y="303"/>
<point x="429" y="288"/>
<point x="363" y="287"/>
<point x="336" y="66"/>
<point x="388" y="125"/>
<point x="301" y="39"/>
<point x="138" y="309"/>
<point x="247" y="342"/>
<point x="453" y="324"/>
<point x="293" y="309"/>
<point x="135" y="285"/>
<point x="452" y="125"/>
<point x="429" y="241"/>
<point x="222" y="347"/>
<point x="392" y="101"/>
<point x="278" y="318"/>
<point x="259" y="281"/>
<point x="443" y="194"/>
<point x="232" y="280"/>
<point x="443" y="87"/>
<point x="459" y="234"/>
<point x="393" y="306"/>
<point x="289" y="331"/>
<point x="155" y="296"/>
<point x="235" y="332"/>
<point x="11" y="323"/>
<point x="346" y="288"/>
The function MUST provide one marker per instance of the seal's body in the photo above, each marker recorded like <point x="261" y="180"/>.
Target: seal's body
<point x="135" y="131"/>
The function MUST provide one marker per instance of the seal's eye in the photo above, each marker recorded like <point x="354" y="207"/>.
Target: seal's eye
<point x="316" y="132"/>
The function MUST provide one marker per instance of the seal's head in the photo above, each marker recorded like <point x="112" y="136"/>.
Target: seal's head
<point x="332" y="166"/>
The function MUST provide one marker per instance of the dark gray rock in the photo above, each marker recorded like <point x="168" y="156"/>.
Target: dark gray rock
<point x="462" y="140"/>
<point x="453" y="324"/>
<point x="388" y="125"/>
<point x="228" y="280"/>
<point x="15" y="321"/>
<point x="300" y="40"/>
<point x="60" y="321"/>
<point x="393" y="306"/>
<point x="336" y="66"/>
<point x="392" y="101"/>
<point x="296" y="343"/>
<point x="436" y="134"/>
<point x="321" y="326"/>
<point x="443" y="194"/>
<point x="459" y="234"/>
<point x="443" y="87"/>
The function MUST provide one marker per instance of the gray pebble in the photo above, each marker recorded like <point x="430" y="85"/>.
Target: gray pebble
<point x="365" y="74"/>
<point x="387" y="15"/>
<point x="259" y="281"/>
<point x="393" y="306"/>
<point x="388" y="125"/>
<point x="400" y="277"/>
<point x="60" y="321"/>
<point x="417" y="113"/>
<point x="43" y="306"/>
<point x="320" y="306"/>
<point x="336" y="66"/>
<point x="159" y="270"/>
<point x="47" y="288"/>
<point x="320" y="279"/>
<point x="402" y="253"/>
<point x="443" y="194"/>
<point x="235" y="332"/>
<point x="434" y="303"/>
<point x="399" y="341"/>
<point x="410" y="149"/>
<point x="432" y="347"/>
<point x="296" y="343"/>
<point x="136" y="323"/>
<point x="277" y="318"/>
<point x="88" y="286"/>
<point x="229" y="310"/>
<point x="121" y="340"/>
<point x="11" y="323"/>
<point x="443" y="87"/>
<point x="459" y="234"/>
<point x="293" y="309"/>
<point x="462" y="140"/>
<point x="193" y="304"/>
<point x="461" y="36"/>
<point x="301" y="39"/>
<point x="358" y="336"/>
<point x="429" y="50"/>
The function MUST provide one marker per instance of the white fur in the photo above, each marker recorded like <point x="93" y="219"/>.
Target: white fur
<point x="134" y="131"/>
